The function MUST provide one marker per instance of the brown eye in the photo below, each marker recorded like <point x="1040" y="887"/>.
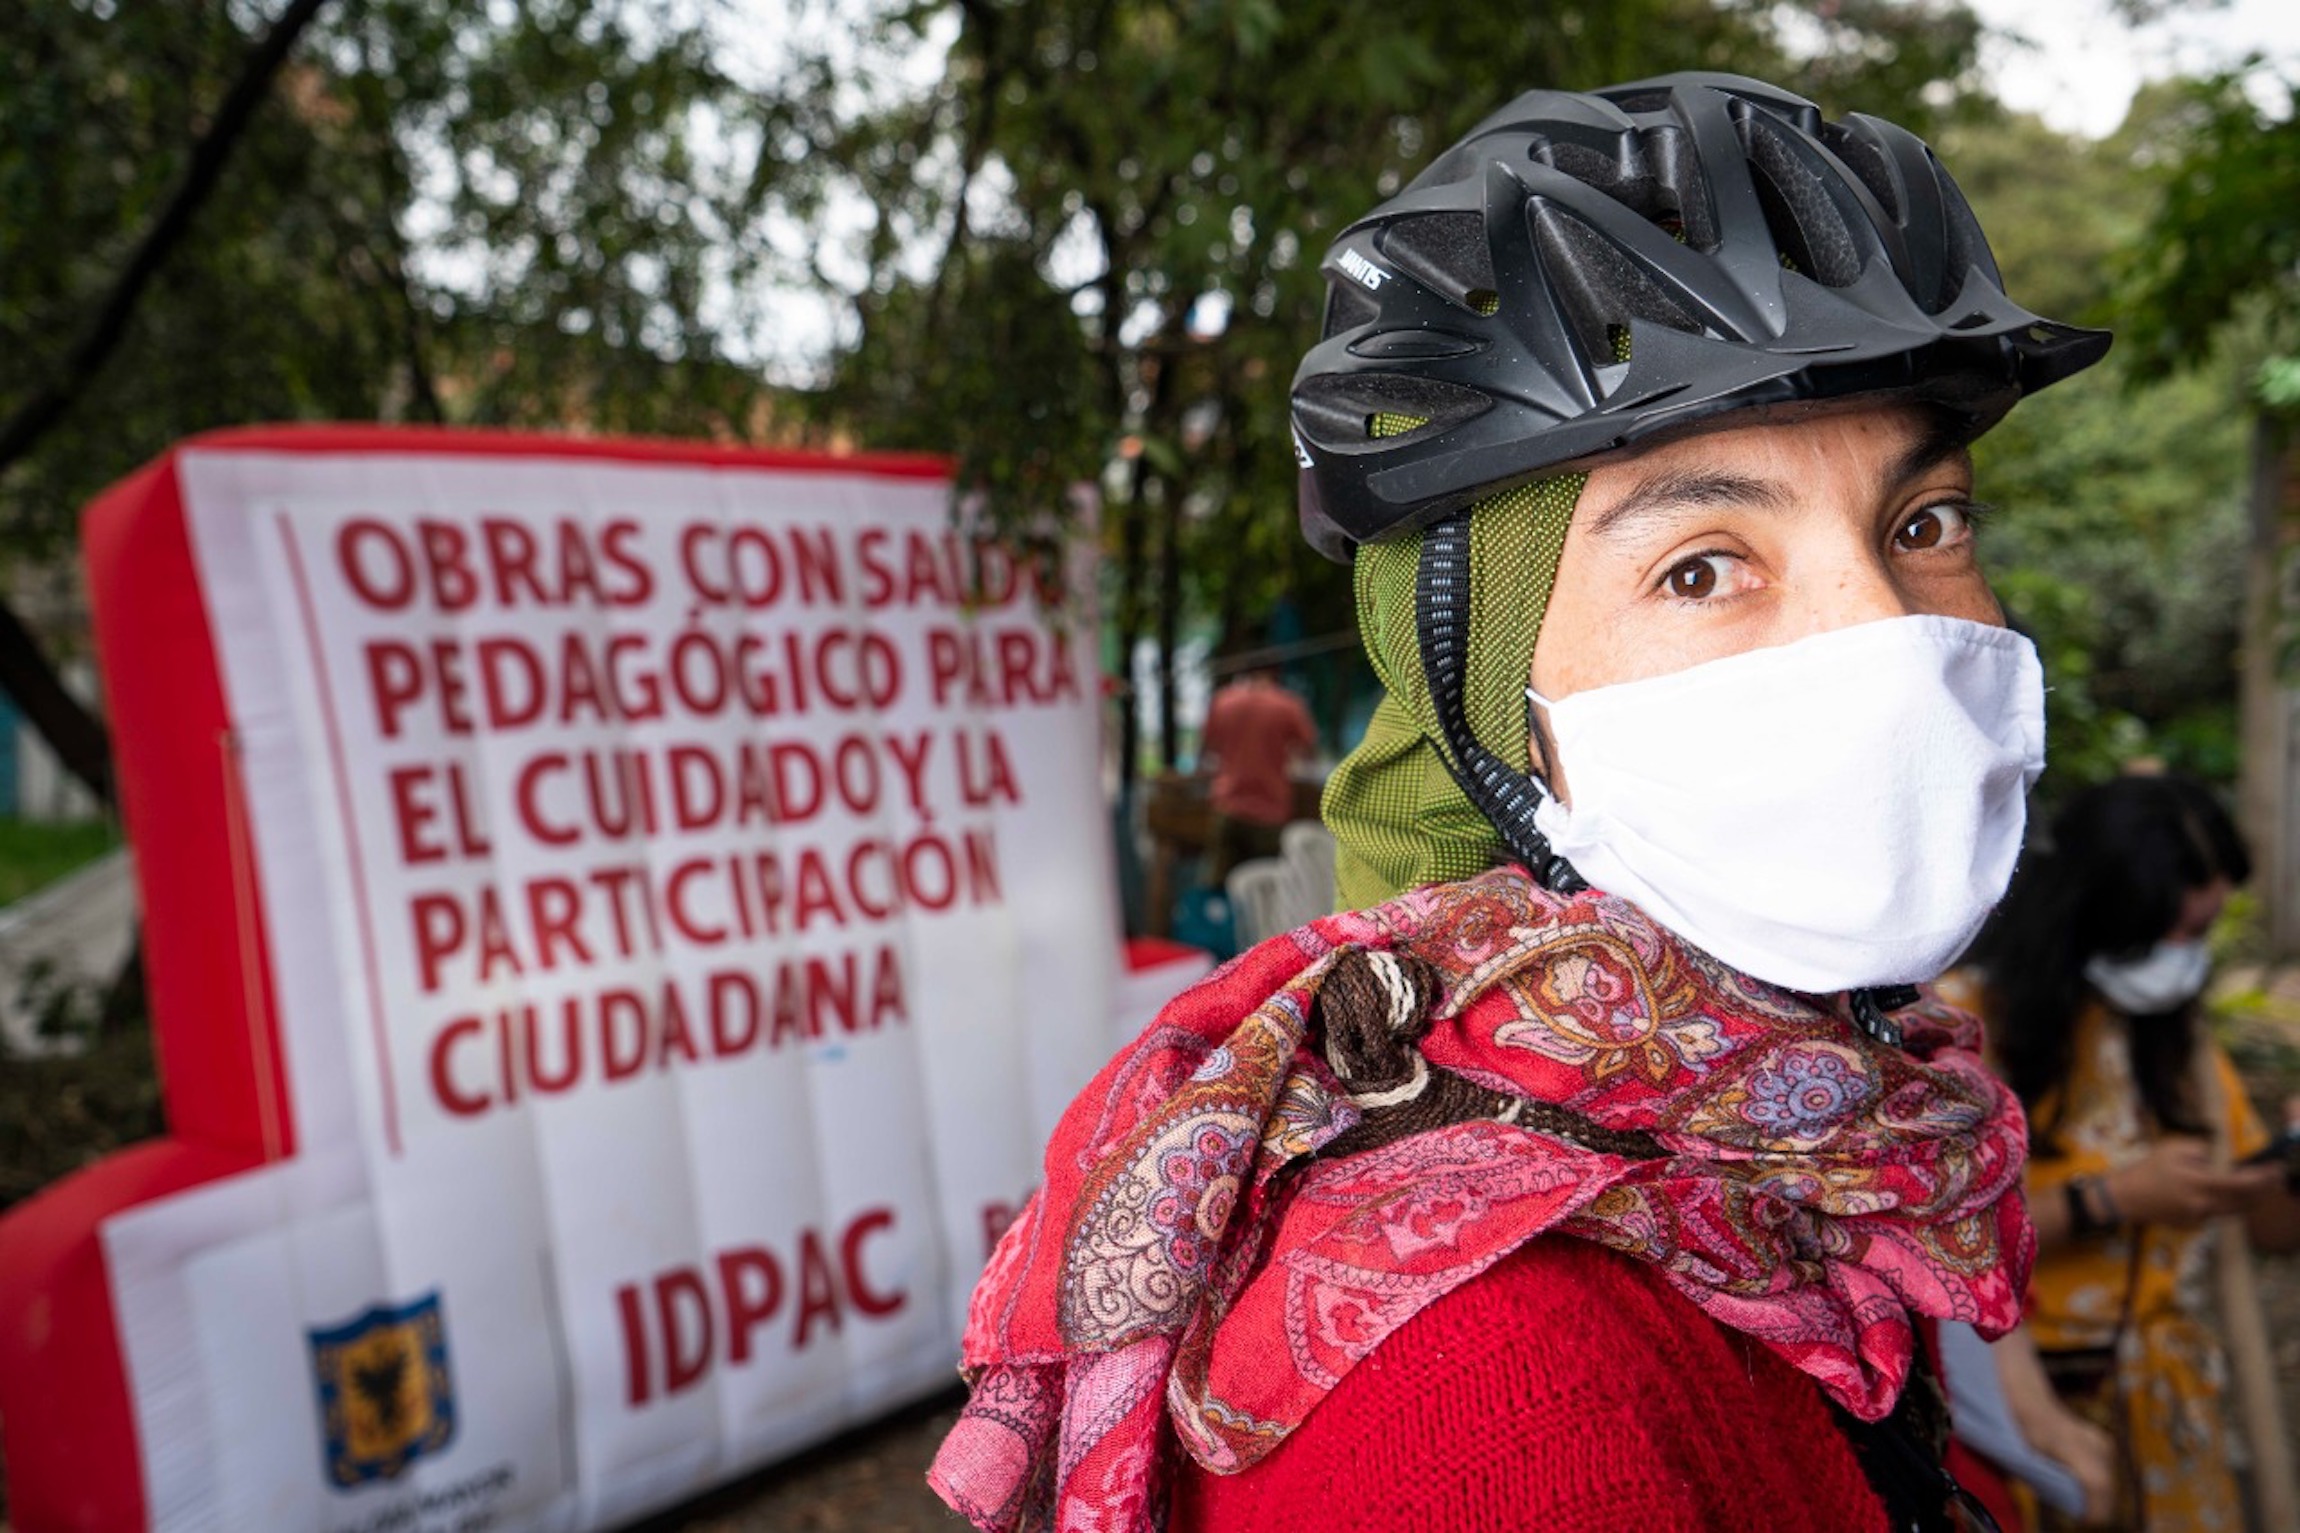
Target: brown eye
<point x="1936" y="527"/>
<point x="1693" y="580"/>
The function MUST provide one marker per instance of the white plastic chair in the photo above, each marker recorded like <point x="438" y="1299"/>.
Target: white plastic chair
<point x="1308" y="849"/>
<point x="1263" y="899"/>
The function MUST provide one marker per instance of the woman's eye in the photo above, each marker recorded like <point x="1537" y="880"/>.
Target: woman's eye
<point x="1941" y="526"/>
<point x="1697" y="578"/>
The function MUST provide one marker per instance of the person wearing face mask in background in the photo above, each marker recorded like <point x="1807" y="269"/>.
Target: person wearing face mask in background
<point x="2091" y="976"/>
<point x="1602" y="1166"/>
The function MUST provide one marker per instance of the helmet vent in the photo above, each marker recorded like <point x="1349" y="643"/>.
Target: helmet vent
<point x="1807" y="224"/>
<point x="1643" y="101"/>
<point x="1686" y="191"/>
<point x="1628" y="178"/>
<point x="1446" y="252"/>
<point x="1365" y="412"/>
<point x="1349" y="306"/>
<point x="1967" y="246"/>
<point x="1865" y="159"/>
<point x="1599" y="287"/>
<point x="1580" y="161"/>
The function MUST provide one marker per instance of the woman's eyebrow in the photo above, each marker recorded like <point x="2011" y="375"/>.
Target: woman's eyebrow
<point x="1676" y="490"/>
<point x="1944" y="443"/>
<point x="1685" y="490"/>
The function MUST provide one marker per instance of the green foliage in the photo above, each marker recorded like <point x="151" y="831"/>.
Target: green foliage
<point x="2057" y="208"/>
<point x="100" y="115"/>
<point x="2086" y="742"/>
<point x="2120" y="545"/>
<point x="2135" y="504"/>
<point x="2277" y="383"/>
<point x="539" y="214"/>
<point x="2226" y="233"/>
<point x="600" y="177"/>
<point x="1911" y="62"/>
<point x="581" y="173"/>
<point x="1085" y="252"/>
<point x="2120" y="536"/>
<point x="1026" y="402"/>
<point x="34" y="853"/>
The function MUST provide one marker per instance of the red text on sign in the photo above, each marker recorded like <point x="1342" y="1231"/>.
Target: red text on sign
<point x="452" y="567"/>
<point x="681" y="1323"/>
<point x="555" y="921"/>
<point x="507" y="682"/>
<point x="485" y="1060"/>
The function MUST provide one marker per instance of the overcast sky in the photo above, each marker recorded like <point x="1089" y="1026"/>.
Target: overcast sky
<point x="2085" y="64"/>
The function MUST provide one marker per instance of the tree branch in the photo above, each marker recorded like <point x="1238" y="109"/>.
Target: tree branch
<point x="395" y="182"/>
<point x="979" y="127"/>
<point x="32" y="419"/>
<point x="26" y="672"/>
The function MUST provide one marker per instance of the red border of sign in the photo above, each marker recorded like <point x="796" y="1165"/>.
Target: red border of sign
<point x="66" y="1424"/>
<point x="413" y="440"/>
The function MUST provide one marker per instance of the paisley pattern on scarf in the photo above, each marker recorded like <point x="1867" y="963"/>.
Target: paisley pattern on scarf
<point x="1193" y="1266"/>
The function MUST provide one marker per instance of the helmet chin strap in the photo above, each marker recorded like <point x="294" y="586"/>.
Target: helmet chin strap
<point x="1506" y="796"/>
<point x="1872" y="1008"/>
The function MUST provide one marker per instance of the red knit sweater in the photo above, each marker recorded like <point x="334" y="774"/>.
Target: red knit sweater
<point x="1568" y="1390"/>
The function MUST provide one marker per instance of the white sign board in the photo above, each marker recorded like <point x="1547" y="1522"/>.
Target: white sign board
<point x="688" y="906"/>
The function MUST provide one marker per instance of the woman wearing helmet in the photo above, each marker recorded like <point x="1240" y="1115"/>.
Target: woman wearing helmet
<point x="1597" y="1172"/>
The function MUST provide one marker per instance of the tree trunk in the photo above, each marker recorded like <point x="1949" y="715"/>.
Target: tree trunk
<point x="76" y="735"/>
<point x="1128" y="620"/>
<point x="1169" y="618"/>
<point x="2269" y="688"/>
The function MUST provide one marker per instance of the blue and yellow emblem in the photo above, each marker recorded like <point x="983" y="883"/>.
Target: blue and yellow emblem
<point x="385" y="1396"/>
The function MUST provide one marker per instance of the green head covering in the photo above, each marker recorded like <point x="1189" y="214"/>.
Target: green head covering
<point x="1393" y="805"/>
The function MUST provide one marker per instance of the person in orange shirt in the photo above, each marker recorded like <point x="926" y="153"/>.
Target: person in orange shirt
<point x="2092" y="976"/>
<point x="1256" y="731"/>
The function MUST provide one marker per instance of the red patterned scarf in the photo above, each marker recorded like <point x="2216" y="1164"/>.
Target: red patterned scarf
<point x="1352" y="1120"/>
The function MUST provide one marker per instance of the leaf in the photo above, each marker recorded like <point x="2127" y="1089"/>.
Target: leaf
<point x="2277" y="383"/>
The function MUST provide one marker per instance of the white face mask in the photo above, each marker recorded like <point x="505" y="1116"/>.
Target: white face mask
<point x="1838" y="812"/>
<point x="2166" y="978"/>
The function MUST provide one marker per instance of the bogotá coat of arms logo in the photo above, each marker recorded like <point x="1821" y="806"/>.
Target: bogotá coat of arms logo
<point x="385" y="1395"/>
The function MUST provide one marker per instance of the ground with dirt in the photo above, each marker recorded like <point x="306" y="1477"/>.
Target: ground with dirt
<point x="868" y="1481"/>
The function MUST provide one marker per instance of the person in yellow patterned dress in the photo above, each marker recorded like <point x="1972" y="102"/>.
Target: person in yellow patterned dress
<point x="2091" y="977"/>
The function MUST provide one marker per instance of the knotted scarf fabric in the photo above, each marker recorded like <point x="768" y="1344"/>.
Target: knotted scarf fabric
<point x="1354" y="1119"/>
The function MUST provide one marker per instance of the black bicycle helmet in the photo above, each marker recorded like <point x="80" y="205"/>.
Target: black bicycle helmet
<point x="1589" y="270"/>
